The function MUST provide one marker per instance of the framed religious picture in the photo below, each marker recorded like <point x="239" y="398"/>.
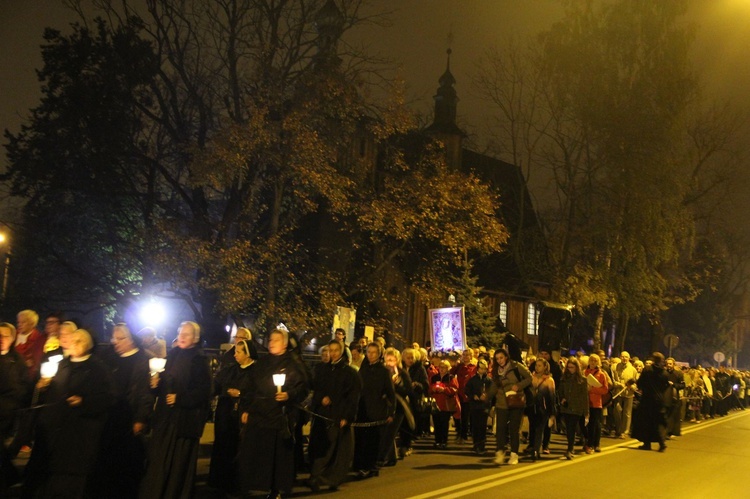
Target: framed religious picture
<point x="448" y="329"/>
<point x="345" y="318"/>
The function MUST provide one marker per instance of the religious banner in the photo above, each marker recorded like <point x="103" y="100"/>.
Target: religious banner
<point x="448" y="329"/>
<point x="345" y="318"/>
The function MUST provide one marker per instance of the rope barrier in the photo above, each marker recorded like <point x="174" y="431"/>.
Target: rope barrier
<point x="354" y="425"/>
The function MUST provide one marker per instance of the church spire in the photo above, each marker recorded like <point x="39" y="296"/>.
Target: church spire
<point x="446" y="102"/>
<point x="329" y="23"/>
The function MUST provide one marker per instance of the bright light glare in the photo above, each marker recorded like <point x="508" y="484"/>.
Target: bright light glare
<point x="152" y="314"/>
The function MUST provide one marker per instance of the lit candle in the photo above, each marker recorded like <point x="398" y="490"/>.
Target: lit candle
<point x="49" y="369"/>
<point x="156" y="365"/>
<point x="278" y="381"/>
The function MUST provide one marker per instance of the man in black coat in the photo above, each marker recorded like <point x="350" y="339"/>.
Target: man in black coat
<point x="677" y="380"/>
<point x="336" y="392"/>
<point x="649" y="420"/>
<point x="376" y="405"/>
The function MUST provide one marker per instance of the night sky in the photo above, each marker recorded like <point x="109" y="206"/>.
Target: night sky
<point x="416" y="42"/>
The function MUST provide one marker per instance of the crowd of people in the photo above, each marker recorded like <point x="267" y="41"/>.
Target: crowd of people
<point x="111" y="422"/>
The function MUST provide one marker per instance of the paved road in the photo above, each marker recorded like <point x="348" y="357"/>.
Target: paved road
<point x="711" y="459"/>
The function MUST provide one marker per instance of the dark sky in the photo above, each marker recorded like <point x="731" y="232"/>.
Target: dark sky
<point x="417" y="42"/>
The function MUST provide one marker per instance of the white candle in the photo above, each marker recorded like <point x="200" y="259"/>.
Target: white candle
<point x="156" y="365"/>
<point x="278" y="380"/>
<point x="49" y="369"/>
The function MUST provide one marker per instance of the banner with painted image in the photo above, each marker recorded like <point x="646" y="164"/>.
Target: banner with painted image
<point x="448" y="329"/>
<point x="345" y="318"/>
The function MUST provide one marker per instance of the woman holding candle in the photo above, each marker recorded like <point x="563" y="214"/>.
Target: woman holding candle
<point x="67" y="438"/>
<point x="230" y="384"/>
<point x="443" y="388"/>
<point x="276" y="385"/>
<point x="183" y="391"/>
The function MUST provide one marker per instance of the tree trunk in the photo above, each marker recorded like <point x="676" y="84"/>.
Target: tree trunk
<point x="598" y="328"/>
<point x="622" y="332"/>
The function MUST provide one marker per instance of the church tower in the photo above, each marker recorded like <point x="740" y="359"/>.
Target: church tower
<point x="444" y="127"/>
<point x="329" y="23"/>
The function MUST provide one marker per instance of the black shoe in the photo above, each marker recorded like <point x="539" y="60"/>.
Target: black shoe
<point x="644" y="447"/>
<point x="662" y="447"/>
<point x="362" y="474"/>
<point x="314" y="485"/>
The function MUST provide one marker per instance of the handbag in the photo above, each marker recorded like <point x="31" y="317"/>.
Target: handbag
<point x="433" y="405"/>
<point x="515" y="400"/>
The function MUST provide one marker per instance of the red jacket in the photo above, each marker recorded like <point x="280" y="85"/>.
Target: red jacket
<point x="463" y="374"/>
<point x="32" y="351"/>
<point x="595" y="394"/>
<point x="450" y="388"/>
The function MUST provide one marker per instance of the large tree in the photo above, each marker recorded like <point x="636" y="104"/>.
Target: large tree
<point x="607" y="106"/>
<point x="233" y="128"/>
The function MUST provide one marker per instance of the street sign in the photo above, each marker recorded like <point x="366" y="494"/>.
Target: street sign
<point x="719" y="357"/>
<point x="671" y="340"/>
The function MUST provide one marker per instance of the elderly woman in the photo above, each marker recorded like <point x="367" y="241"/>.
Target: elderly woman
<point x="443" y="388"/>
<point x="183" y="391"/>
<point x="267" y="449"/>
<point x="76" y="404"/>
<point x="242" y="334"/>
<point x="508" y="376"/>
<point x="123" y="454"/>
<point x="153" y="346"/>
<point x="411" y="359"/>
<point x="402" y="386"/>
<point x="231" y="384"/>
<point x="14" y="387"/>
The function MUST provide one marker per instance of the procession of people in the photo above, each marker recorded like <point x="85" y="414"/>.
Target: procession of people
<point x="104" y="422"/>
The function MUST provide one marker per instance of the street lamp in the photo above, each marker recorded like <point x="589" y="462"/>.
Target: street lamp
<point x="153" y="313"/>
